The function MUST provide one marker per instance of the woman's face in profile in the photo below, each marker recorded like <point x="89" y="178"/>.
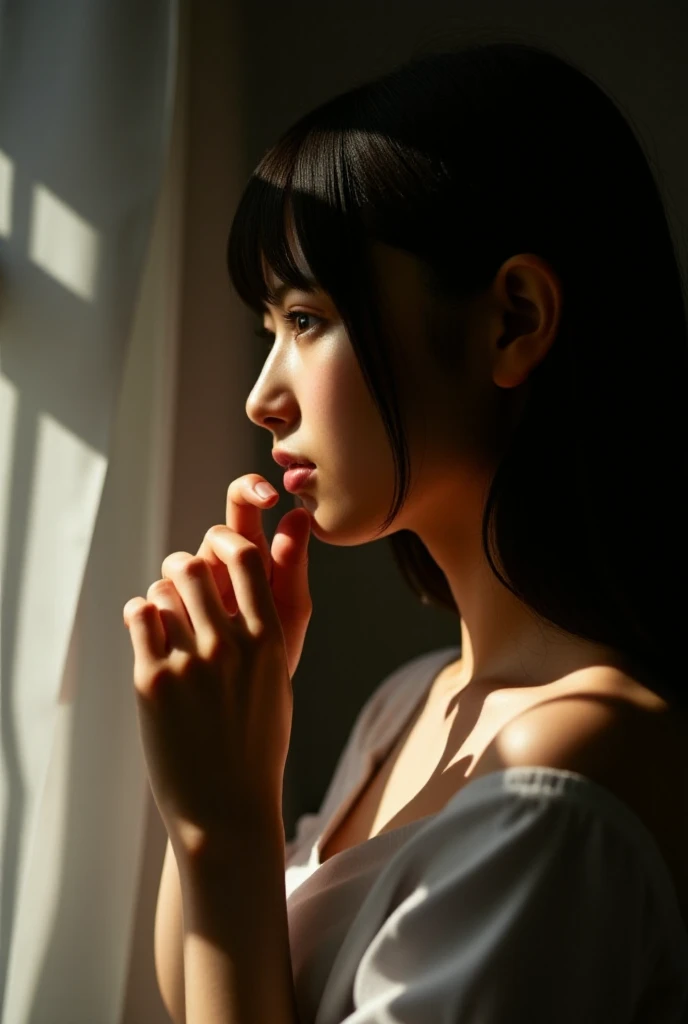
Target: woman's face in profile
<point x="312" y="396"/>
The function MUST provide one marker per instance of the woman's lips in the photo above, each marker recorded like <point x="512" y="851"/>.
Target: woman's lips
<point x="295" y="479"/>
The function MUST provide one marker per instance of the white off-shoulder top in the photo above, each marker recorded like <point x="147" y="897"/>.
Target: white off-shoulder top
<point x="535" y="896"/>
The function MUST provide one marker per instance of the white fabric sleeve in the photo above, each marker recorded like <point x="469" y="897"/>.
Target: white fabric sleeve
<point x="514" y="908"/>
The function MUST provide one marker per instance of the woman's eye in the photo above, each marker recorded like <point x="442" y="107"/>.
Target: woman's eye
<point x="293" y="317"/>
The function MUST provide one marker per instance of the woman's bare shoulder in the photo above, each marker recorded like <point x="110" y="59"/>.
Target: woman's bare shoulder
<point x="621" y="736"/>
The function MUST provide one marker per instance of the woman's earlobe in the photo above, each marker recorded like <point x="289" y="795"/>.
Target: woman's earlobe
<point x="509" y="380"/>
<point x="518" y="360"/>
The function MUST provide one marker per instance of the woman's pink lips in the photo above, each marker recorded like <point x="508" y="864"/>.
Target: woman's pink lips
<point x="295" y="479"/>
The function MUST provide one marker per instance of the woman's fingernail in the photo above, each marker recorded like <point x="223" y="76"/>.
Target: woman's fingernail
<point x="264" y="490"/>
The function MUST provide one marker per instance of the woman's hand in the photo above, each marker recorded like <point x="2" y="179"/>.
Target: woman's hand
<point x="212" y="672"/>
<point x="285" y="562"/>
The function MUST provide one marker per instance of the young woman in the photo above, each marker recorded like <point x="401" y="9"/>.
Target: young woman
<point x="478" y="340"/>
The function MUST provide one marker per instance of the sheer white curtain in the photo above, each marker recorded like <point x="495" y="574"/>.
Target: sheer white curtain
<point x="87" y="345"/>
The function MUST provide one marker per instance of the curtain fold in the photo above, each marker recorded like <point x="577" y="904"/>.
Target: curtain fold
<point x="87" y="94"/>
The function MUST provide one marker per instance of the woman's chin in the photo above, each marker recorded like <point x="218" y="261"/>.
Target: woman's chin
<point x="305" y="501"/>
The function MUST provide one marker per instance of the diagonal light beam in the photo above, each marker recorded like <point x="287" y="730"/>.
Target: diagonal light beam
<point x="63" y="244"/>
<point x="6" y="189"/>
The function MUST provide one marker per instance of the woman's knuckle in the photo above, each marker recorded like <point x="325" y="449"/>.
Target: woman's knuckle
<point x="140" y="612"/>
<point x="158" y="587"/>
<point x="184" y="662"/>
<point x="195" y="567"/>
<point x="248" y="556"/>
<point x="147" y="682"/>
<point x="215" y="650"/>
<point x="261" y="636"/>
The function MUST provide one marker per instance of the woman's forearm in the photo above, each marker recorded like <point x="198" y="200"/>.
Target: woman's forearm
<point x="237" y="961"/>
<point x="169" y="939"/>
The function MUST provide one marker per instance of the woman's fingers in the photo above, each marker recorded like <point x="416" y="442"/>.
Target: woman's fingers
<point x="243" y="514"/>
<point x="179" y="632"/>
<point x="285" y="562"/>
<point x="147" y="633"/>
<point x="290" y="585"/>
<point x="289" y="553"/>
<point x="251" y="585"/>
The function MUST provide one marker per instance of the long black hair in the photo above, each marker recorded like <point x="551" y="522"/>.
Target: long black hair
<point x="464" y="158"/>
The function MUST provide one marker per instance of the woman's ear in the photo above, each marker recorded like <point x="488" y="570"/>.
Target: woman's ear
<point x="529" y="295"/>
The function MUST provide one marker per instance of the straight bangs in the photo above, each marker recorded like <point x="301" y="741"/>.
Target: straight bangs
<point x="340" y="188"/>
<point x="259" y="232"/>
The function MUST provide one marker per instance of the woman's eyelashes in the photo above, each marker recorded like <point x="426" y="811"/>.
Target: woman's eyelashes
<point x="292" y="318"/>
